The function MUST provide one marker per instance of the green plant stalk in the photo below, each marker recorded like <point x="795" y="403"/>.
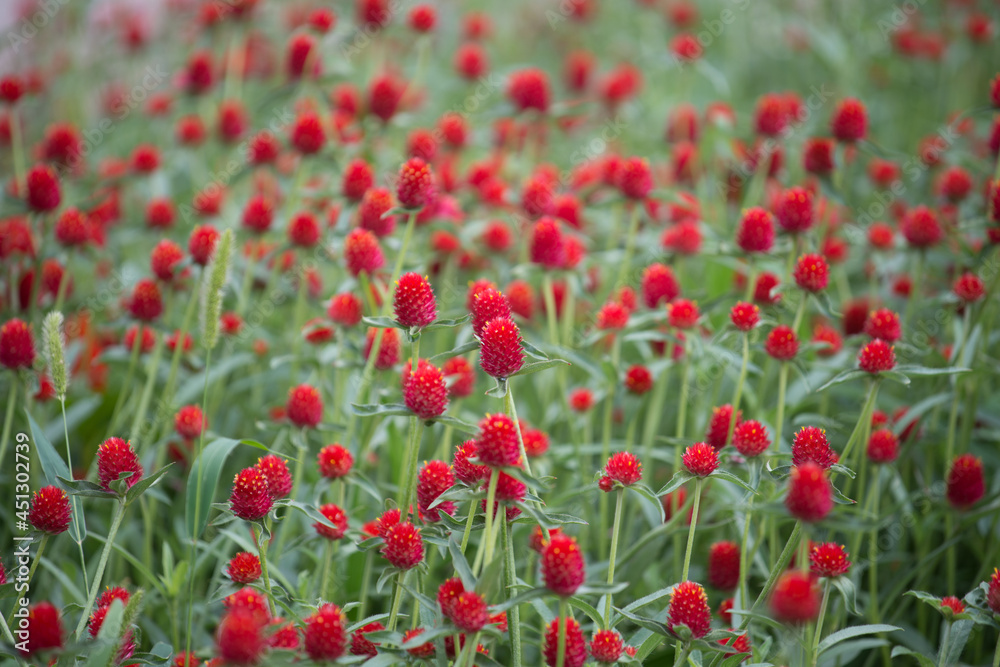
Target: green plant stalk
<point x="614" y="553"/>
<point x="800" y="312"/>
<point x="302" y="447"/>
<point x="397" y="598"/>
<point x="561" y="644"/>
<point x="133" y="360"/>
<point x="298" y="318"/>
<point x="245" y="287"/>
<point x="486" y="546"/>
<point x="468" y="525"/>
<point x="8" y="418"/>
<point x="866" y="418"/>
<point x="779" y="567"/>
<point x="472" y="648"/>
<point x="682" y="404"/>
<point x="918" y="272"/>
<point x="944" y="645"/>
<point x="873" y="550"/>
<point x="325" y="580"/>
<point x="365" y="581"/>
<point x="510" y="580"/>
<point x="949" y="451"/>
<point x="741" y="586"/>
<point x="147" y="390"/>
<point x="408" y="483"/>
<point x="262" y="550"/>
<point x="633" y="230"/>
<point x="116" y="523"/>
<point x="691" y="530"/>
<point x="548" y="294"/>
<point x="175" y="358"/>
<point x="17" y="147"/>
<point x="77" y="517"/>
<point x="511" y="409"/>
<point x="61" y="291"/>
<point x="568" y="317"/>
<point x="779" y="421"/>
<point x="739" y="387"/>
<point x="996" y="654"/>
<point x="818" y="633"/>
<point x="609" y="404"/>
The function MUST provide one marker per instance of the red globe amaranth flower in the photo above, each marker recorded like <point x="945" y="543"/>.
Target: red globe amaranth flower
<point x="244" y="568"/>
<point x="334" y="461"/>
<point x="362" y="646"/>
<point x="250" y="498"/>
<point x="771" y="115"/>
<point x="305" y="406"/>
<point x="965" y="481"/>
<point x="44" y="628"/>
<point x="434" y="478"/>
<point x="881" y="236"/>
<point x="638" y="380"/>
<point x="811" y="445"/>
<point x="500" y="353"/>
<point x="634" y="178"/>
<point x="849" y="122"/>
<point x="717" y="433"/>
<point x="817" y="155"/>
<point x="921" y="228"/>
<point x="763" y="288"/>
<point x="337" y="517"/>
<point x="345" y="309"/>
<point x="689" y="606"/>
<point x="744" y="316"/>
<point x="953" y="605"/>
<point x="536" y="442"/>
<point x="460" y="377"/>
<point x="415" y="184"/>
<point x="72" y="229"/>
<point x="240" y="637"/>
<point x="607" y="646"/>
<point x="547" y="244"/>
<point x="612" y="316"/>
<point x="810" y="497"/>
<point x="755" y="232"/>
<point x="404" y="548"/>
<point x="413" y="301"/>
<point x="993" y="592"/>
<point x="682" y="314"/>
<point x="877" y="356"/>
<point x="969" y="287"/>
<point x="724" y="565"/>
<point x="43" y="193"/>
<point x="828" y="339"/>
<point x="624" y="468"/>
<point x="358" y="178"/>
<point x="954" y="184"/>
<point x="247" y="599"/>
<point x="362" y="252"/>
<point x="468" y="473"/>
<point x="50" y="510"/>
<point x="146" y="302"/>
<point x="883" y="446"/>
<point x="425" y="650"/>
<point x="468" y="610"/>
<point x="307" y="136"/>
<point x="189" y="421"/>
<point x="424" y="391"/>
<point x="659" y="285"/>
<point x="796" y="597"/>
<point x="563" y="569"/>
<point x="17" y="345"/>
<point x="883" y="323"/>
<point x="529" y="89"/>
<point x="187" y="659"/>
<point x="485" y="305"/>
<point x="114" y="457"/>
<point x="497" y="444"/>
<point x="575" y="652"/>
<point x="303" y="230"/>
<point x="812" y="272"/>
<point x="782" y="343"/>
<point x="700" y="459"/>
<point x="325" y="633"/>
<point x="164" y="259"/>
<point x="279" y="479"/>
<point x="828" y="560"/>
<point x="794" y="211"/>
<point x="388" y="349"/>
<point x="750" y="438"/>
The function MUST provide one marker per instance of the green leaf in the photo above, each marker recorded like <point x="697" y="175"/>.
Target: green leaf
<point x="82" y="487"/>
<point x="649" y="599"/>
<point x="730" y="477"/>
<point x="382" y="323"/>
<point x="855" y="631"/>
<point x="381" y="409"/>
<point x="311" y="512"/>
<point x="921" y="659"/>
<point x="895" y="376"/>
<point x="8" y="591"/>
<point x="461" y="565"/>
<point x="145" y="483"/>
<point x="213" y="458"/>
<point x="957" y="639"/>
<point x="53" y="465"/>
<point x="677" y="481"/>
<point x="847" y="591"/>
<point x="587" y="609"/>
<point x="533" y="351"/>
<point x="647" y="493"/>
<point x="648" y="623"/>
<point x="464" y="348"/>
<point x="537" y="366"/>
<point x="910" y="369"/>
<point x="842" y="376"/>
<point x="499" y="390"/>
<point x="456" y="423"/>
<point x="521" y="598"/>
<point x="447" y="324"/>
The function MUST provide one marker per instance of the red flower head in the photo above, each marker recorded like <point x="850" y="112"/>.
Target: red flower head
<point x="782" y="343"/>
<point x="700" y="459"/>
<point x="44" y="630"/>
<point x="817" y="155"/>
<point x="50" y="510"/>
<point x="375" y="203"/>
<point x="612" y="316"/>
<point x="425" y="650"/>
<point x="850" y="121"/>
<point x="529" y="89"/>
<point x="771" y="115"/>
<point x="717" y="433"/>
<point x="750" y="438"/>
<point x="345" y="309"/>
<point x="334" y="515"/>
<point x="659" y="285"/>
<point x="146" y="303"/>
<point x="362" y="252"/>
<point x="240" y="637"/>
<point x="965" y="481"/>
<point x="114" y="457"/>
<point x="43" y="188"/>
<point x="953" y="605"/>
<point x="279" y="479"/>
<point x="880" y="236"/>
<point x="244" y="568"/>
<point x="766" y="282"/>
<point x="202" y="242"/>
<point x="497" y="444"/>
<point x="415" y="184"/>
<point x="811" y="445"/>
<point x="358" y="178"/>
<point x="884" y="324"/>
<point x="251" y="498"/>
<point x="796" y="597"/>
<point x="362" y="646"/>
<point x="883" y="446"/>
<point x="607" y="646"/>
<point x="969" y="287"/>
<point x="460" y="377"/>
<point x="638" y="380"/>
<point x="921" y="228"/>
<point x="563" y="569"/>
<point x="404" y="548"/>
<point x="307" y="133"/>
<point x="233" y="121"/>
<point x="72" y="228"/>
<point x="794" y="211"/>
<point x="17" y="346"/>
<point x="812" y="272"/>
<point x="575" y="654"/>
<point x="810" y="497"/>
<point x="724" y="565"/>
<point x="634" y="178"/>
<point x="468" y="610"/>
<point x="325" y="633"/>
<point x="877" y="356"/>
<point x="689" y="606"/>
<point x="448" y="592"/>
<point x="485" y="305"/>
<point x="413" y="301"/>
<point x="547" y="244"/>
<point x="334" y="461"/>
<point x="388" y="350"/>
<point x="164" y="258"/>
<point x="424" y="391"/>
<point x="954" y="184"/>
<point x="435" y="478"/>
<point x="624" y="468"/>
<point x="468" y="473"/>
<point x="828" y="560"/>
<point x="993" y="592"/>
<point x="303" y="230"/>
<point x="500" y="353"/>
<point x="755" y="232"/>
<point x="744" y="316"/>
<point x="189" y="421"/>
<point x="682" y="314"/>
<point x="305" y="406"/>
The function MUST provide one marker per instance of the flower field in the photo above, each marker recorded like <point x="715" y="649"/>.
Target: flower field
<point x="565" y="333"/>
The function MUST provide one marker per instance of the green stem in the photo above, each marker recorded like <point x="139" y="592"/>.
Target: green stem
<point x="943" y="653"/>
<point x="297" y="321"/>
<point x="653" y="413"/>
<point x="739" y="387"/>
<point x="325" y="581"/>
<point x="468" y="524"/>
<point x="175" y="358"/>
<point x="8" y="418"/>
<point x="682" y="405"/>
<point x="911" y="302"/>
<point x="365" y="580"/>
<point x="744" y="563"/>
<point x="486" y="546"/>
<point x="633" y="229"/>
<point x="873" y="601"/>
<point x="549" y="295"/>
<point x="800" y="312"/>
<point x="866" y="417"/>
<point x="262" y="550"/>
<point x="694" y="524"/>
<point x="397" y="598"/>
<point x="510" y="580"/>
<point x="814" y="650"/>
<point x="413" y="454"/>
<point x="779" y="421"/>
<point x="129" y="374"/>
<point x="77" y="517"/>
<point x="614" y="552"/>
<point x="996" y="654"/>
<point x="511" y="411"/>
<point x="147" y="390"/>
<point x="561" y="646"/>
<point x="116" y="522"/>
<point x="779" y="567"/>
